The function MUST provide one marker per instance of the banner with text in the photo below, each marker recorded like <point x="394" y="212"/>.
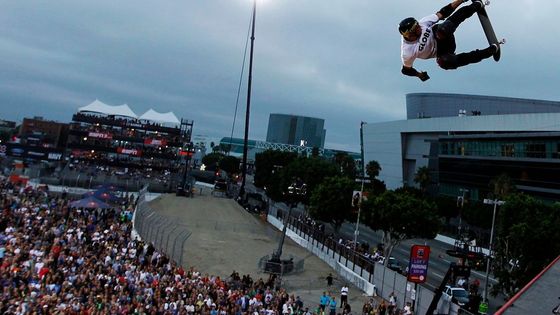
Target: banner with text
<point x="418" y="263"/>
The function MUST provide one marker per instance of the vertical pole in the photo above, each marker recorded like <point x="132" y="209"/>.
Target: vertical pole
<point x="490" y="251"/>
<point x="248" y="110"/>
<point x="284" y="230"/>
<point x="415" y="302"/>
<point x="357" y="230"/>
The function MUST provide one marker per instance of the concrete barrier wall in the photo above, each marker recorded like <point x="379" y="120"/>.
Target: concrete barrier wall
<point x="384" y="281"/>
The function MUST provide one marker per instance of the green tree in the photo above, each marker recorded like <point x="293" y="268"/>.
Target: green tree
<point x="375" y="186"/>
<point x="312" y="171"/>
<point x="346" y="164"/>
<point x="212" y="160"/>
<point x="527" y="240"/>
<point x="331" y="201"/>
<point x="502" y="186"/>
<point x="423" y="178"/>
<point x="400" y="215"/>
<point x="221" y="148"/>
<point x="315" y="152"/>
<point x="373" y="169"/>
<point x="268" y="168"/>
<point x="230" y="164"/>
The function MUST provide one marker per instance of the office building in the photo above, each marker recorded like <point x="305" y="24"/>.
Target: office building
<point x="467" y="140"/>
<point x="296" y="130"/>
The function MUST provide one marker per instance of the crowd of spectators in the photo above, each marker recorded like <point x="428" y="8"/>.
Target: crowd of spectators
<point x="142" y="149"/>
<point x="362" y="249"/>
<point x="58" y="260"/>
<point x="92" y="167"/>
<point x="125" y="147"/>
<point x="123" y="122"/>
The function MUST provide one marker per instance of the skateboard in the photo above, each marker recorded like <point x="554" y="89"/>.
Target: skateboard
<point x="489" y="30"/>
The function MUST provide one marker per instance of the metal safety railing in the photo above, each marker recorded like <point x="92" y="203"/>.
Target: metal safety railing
<point x="165" y="234"/>
<point x="362" y="272"/>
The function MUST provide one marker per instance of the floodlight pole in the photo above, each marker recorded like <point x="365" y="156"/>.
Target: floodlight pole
<point x="248" y="110"/>
<point x="357" y="230"/>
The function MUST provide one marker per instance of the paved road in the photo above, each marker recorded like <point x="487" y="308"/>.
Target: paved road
<point x="439" y="260"/>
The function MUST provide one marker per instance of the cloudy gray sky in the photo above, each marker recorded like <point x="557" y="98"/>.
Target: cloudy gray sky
<point x="333" y="59"/>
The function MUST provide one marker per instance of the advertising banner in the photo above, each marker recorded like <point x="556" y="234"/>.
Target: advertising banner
<point x="418" y="263"/>
<point x="30" y="152"/>
<point x="100" y="135"/>
<point x="133" y="152"/>
<point x="155" y="142"/>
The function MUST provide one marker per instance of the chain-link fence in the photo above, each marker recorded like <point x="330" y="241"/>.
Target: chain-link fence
<point x="164" y="233"/>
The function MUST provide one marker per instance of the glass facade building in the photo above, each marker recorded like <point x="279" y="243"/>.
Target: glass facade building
<point x="466" y="141"/>
<point x="296" y="130"/>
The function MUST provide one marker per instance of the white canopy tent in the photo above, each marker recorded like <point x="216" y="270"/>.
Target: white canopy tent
<point x="99" y="107"/>
<point x="152" y="115"/>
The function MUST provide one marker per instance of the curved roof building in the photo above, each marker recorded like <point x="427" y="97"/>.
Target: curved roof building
<point x="431" y="105"/>
<point x="467" y="140"/>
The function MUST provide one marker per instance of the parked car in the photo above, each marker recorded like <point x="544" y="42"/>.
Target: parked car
<point x="392" y="264"/>
<point x="457" y="295"/>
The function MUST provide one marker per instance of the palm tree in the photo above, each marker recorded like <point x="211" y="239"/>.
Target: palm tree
<point x="502" y="186"/>
<point x="372" y="169"/>
<point x="423" y="178"/>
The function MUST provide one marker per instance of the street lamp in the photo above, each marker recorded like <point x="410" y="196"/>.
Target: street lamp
<point x="496" y="203"/>
<point x="357" y="230"/>
<point x="296" y="192"/>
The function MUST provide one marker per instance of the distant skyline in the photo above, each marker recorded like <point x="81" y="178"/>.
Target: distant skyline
<point x="339" y="61"/>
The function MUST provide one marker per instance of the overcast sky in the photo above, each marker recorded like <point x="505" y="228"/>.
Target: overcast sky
<point x="333" y="59"/>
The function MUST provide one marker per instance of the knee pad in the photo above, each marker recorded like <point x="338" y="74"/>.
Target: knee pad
<point x="448" y="62"/>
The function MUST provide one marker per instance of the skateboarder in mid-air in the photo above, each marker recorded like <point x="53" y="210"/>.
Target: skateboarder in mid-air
<point x="427" y="39"/>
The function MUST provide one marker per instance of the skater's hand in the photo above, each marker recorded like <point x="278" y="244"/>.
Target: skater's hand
<point x="423" y="76"/>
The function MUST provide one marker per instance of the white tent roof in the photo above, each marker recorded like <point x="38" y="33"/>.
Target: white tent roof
<point x="168" y="117"/>
<point x="99" y="107"/>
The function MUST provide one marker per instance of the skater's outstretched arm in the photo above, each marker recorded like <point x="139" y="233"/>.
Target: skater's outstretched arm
<point x="411" y="72"/>
<point x="446" y="11"/>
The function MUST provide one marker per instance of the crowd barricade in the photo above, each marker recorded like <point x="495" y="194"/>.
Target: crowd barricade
<point x="164" y="233"/>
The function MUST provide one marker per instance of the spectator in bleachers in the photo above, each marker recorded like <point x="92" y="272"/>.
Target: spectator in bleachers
<point x="54" y="260"/>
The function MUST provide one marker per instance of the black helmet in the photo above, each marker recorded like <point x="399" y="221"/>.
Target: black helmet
<point x="407" y="25"/>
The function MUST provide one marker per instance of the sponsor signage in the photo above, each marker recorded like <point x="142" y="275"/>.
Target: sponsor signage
<point x="55" y="156"/>
<point x="100" y="135"/>
<point x="156" y="142"/>
<point x="17" y="151"/>
<point x="133" y="152"/>
<point x="418" y="263"/>
<point x="35" y="154"/>
<point x="30" y="152"/>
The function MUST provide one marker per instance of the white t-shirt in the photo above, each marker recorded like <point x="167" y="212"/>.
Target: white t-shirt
<point x="425" y="47"/>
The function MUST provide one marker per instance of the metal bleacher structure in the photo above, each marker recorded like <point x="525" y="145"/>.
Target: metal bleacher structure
<point x="112" y="145"/>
